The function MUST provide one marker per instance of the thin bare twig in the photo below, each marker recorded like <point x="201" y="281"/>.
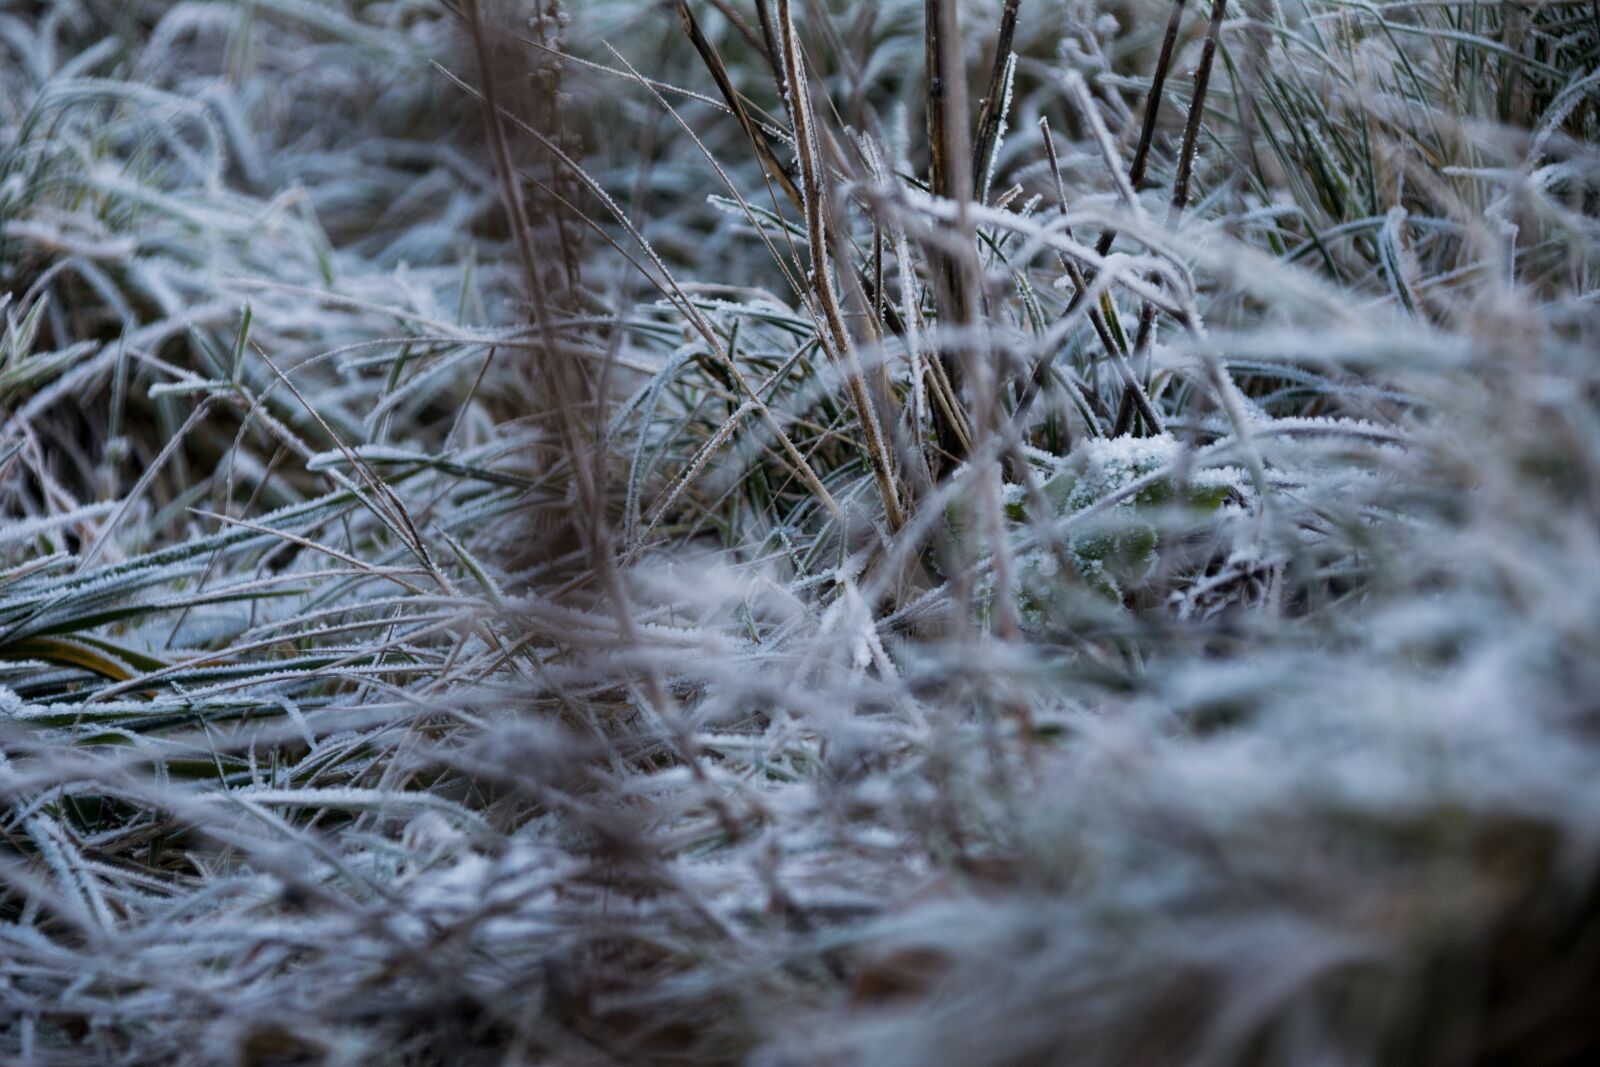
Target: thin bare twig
<point x="990" y="117"/>
<point x="837" y="333"/>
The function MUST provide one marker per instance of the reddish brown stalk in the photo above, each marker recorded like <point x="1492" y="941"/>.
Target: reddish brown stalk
<point x="564" y="385"/>
<point x="950" y="178"/>
<point x="719" y="74"/>
<point x="771" y="51"/>
<point x="835" y="333"/>
<point x="989" y="117"/>
<point x="559" y="377"/>
<point x="743" y="27"/>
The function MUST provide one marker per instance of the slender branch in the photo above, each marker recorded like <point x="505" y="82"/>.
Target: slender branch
<point x="990" y="117"/>
<point x="949" y="178"/>
<point x="719" y="74"/>
<point x="836" y="333"/>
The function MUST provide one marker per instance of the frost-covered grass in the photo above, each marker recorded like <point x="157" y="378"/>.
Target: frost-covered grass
<point x="701" y="551"/>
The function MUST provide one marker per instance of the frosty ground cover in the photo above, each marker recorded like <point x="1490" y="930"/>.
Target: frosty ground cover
<point x="773" y="533"/>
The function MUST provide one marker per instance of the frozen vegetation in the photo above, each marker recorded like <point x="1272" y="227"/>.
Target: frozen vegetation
<point x="752" y="532"/>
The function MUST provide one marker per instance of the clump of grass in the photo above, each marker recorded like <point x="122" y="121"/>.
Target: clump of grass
<point x="771" y="533"/>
